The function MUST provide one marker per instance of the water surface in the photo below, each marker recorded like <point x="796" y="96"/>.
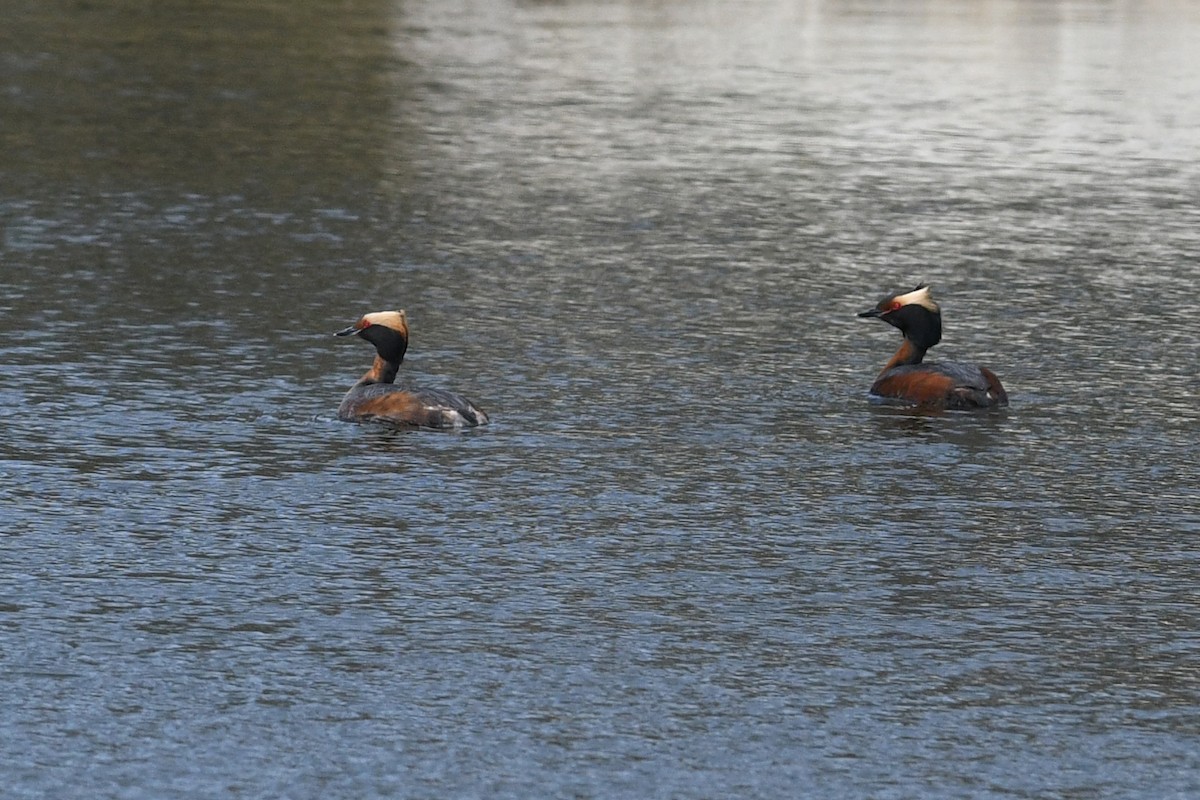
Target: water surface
<point x="690" y="558"/>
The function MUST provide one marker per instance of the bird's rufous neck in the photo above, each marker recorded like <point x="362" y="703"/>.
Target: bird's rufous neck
<point x="908" y="353"/>
<point x="382" y="371"/>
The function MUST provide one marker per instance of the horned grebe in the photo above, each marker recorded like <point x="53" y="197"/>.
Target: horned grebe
<point x="376" y="399"/>
<point x="944" y="384"/>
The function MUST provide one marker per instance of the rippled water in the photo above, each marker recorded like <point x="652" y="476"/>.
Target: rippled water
<point x="689" y="558"/>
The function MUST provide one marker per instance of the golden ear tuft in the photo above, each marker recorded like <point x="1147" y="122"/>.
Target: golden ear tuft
<point x="919" y="296"/>
<point x="396" y="320"/>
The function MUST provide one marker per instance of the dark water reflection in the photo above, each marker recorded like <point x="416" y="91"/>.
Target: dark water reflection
<point x="689" y="559"/>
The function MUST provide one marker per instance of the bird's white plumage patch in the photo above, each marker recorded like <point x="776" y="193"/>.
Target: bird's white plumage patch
<point x="919" y="296"/>
<point x="388" y="319"/>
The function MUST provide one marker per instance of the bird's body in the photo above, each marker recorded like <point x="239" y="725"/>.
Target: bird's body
<point x="906" y="377"/>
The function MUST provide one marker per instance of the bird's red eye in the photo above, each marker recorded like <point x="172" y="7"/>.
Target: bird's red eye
<point x="895" y="306"/>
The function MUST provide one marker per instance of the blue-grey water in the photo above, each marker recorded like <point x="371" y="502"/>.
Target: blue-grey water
<point x="689" y="558"/>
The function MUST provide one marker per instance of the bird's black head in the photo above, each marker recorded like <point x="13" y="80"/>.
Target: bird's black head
<point x="914" y="313"/>
<point x="387" y="330"/>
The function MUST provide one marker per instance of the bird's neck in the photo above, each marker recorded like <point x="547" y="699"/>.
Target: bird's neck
<point x="382" y="371"/>
<point x="909" y="353"/>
